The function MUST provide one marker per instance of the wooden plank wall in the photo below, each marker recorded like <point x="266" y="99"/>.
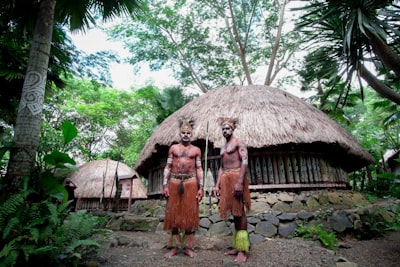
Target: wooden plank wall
<point x="275" y="170"/>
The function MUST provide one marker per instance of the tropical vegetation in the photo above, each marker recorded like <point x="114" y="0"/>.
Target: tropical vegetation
<point x="58" y="107"/>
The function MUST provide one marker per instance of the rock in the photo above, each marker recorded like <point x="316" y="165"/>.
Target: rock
<point x="205" y="223"/>
<point x="138" y="223"/>
<point x="287" y="217"/>
<point x="339" y="221"/>
<point x="287" y="229"/>
<point x="281" y="206"/>
<point x="266" y="228"/>
<point x="285" y="197"/>
<point x="219" y="229"/>
<point x="256" y="238"/>
<point x="259" y="207"/>
<point x="312" y="203"/>
<point x="305" y="215"/>
<point x="270" y="218"/>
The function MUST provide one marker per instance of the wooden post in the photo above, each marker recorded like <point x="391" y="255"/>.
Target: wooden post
<point x="130" y="196"/>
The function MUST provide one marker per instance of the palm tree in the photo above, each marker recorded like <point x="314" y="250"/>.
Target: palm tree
<point x="356" y="32"/>
<point x="78" y="14"/>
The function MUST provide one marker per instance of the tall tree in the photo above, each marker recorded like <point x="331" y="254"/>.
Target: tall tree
<point x="27" y="128"/>
<point x="356" y="33"/>
<point x="211" y="43"/>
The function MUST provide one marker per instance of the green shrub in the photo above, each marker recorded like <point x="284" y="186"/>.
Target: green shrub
<point x="36" y="226"/>
<point x="315" y="232"/>
<point x="395" y="225"/>
<point x="42" y="232"/>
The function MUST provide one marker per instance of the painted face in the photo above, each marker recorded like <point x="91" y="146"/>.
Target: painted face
<point x="226" y="130"/>
<point x="185" y="136"/>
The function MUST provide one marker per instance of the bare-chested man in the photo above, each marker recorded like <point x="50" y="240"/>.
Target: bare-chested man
<point x="232" y="188"/>
<point x="183" y="188"/>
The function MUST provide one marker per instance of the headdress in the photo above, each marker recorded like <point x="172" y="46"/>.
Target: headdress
<point x="186" y="124"/>
<point x="228" y="121"/>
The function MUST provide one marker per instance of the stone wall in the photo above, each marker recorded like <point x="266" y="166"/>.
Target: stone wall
<point x="271" y="214"/>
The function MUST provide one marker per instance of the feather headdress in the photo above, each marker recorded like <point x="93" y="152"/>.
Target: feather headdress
<point x="232" y="122"/>
<point x="186" y="124"/>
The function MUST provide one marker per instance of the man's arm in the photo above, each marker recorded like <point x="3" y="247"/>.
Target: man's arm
<point x="216" y="188"/>
<point x="167" y="172"/>
<point x="199" y="174"/>
<point x="243" y="157"/>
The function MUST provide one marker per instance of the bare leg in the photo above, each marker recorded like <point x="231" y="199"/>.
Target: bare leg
<point x="240" y="224"/>
<point x="172" y="253"/>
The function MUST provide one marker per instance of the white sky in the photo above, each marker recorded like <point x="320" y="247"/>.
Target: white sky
<point x="122" y="75"/>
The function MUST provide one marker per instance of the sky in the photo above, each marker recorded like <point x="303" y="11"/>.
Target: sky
<point x="122" y="74"/>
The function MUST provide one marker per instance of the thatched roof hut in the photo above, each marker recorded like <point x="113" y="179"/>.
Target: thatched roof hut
<point x="96" y="182"/>
<point x="271" y="121"/>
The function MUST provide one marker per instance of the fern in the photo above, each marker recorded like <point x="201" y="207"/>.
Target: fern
<point x="10" y="227"/>
<point x="37" y="228"/>
<point x="315" y="232"/>
<point x="10" y="207"/>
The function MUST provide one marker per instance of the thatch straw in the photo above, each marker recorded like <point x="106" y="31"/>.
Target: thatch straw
<point x="267" y="117"/>
<point x="89" y="178"/>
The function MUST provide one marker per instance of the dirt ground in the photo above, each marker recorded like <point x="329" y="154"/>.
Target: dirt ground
<point x="129" y="249"/>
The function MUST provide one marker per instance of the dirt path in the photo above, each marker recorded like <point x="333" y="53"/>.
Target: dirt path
<point x="130" y="249"/>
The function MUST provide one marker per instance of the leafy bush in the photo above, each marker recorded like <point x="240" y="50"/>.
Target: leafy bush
<point x="373" y="225"/>
<point x="315" y="232"/>
<point x="43" y="233"/>
<point x="37" y="227"/>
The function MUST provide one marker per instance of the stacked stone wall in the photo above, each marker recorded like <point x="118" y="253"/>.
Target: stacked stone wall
<point x="272" y="214"/>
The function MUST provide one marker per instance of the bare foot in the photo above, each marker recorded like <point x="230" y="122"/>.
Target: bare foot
<point x="241" y="257"/>
<point x="172" y="253"/>
<point x="190" y="252"/>
<point x="231" y="252"/>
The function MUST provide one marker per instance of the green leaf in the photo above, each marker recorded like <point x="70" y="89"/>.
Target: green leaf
<point x="69" y="131"/>
<point x="58" y="159"/>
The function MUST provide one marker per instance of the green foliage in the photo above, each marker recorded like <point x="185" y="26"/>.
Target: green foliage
<point x="373" y="225"/>
<point x="350" y="35"/>
<point x="395" y="225"/>
<point x="386" y="185"/>
<point x="37" y="227"/>
<point x="315" y="232"/>
<point x="199" y="40"/>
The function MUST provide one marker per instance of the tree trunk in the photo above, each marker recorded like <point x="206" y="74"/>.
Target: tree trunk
<point x="27" y="127"/>
<point x="275" y="47"/>
<point x="386" y="54"/>
<point x="239" y="46"/>
<point x="379" y="86"/>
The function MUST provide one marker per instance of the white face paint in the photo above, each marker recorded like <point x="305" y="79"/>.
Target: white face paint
<point x="185" y="136"/>
<point x="227" y="130"/>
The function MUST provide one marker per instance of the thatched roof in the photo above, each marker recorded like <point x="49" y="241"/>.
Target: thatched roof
<point x="89" y="179"/>
<point x="267" y="117"/>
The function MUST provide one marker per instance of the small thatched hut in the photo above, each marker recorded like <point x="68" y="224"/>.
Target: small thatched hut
<point x="291" y="144"/>
<point x="107" y="184"/>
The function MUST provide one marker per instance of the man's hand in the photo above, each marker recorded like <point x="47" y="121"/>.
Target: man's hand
<point x="216" y="192"/>
<point x="166" y="191"/>
<point x="199" y="195"/>
<point x="238" y="190"/>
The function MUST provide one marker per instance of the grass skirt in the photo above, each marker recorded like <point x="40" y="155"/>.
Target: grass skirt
<point x="228" y="202"/>
<point x="182" y="211"/>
